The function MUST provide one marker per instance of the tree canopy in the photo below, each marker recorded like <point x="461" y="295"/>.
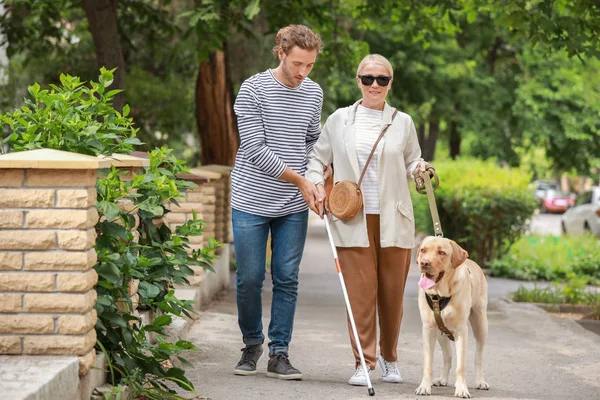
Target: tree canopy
<point x="491" y="79"/>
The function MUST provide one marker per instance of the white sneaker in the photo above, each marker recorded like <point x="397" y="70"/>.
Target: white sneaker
<point x="359" y="378"/>
<point x="390" y="371"/>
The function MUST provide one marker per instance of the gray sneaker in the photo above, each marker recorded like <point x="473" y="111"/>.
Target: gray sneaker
<point x="247" y="364"/>
<point x="280" y="367"/>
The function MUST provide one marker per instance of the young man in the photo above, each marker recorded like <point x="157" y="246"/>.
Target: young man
<point x="279" y="113"/>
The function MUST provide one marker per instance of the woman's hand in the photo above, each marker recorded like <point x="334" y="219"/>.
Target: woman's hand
<point x="422" y="166"/>
<point x="327" y="173"/>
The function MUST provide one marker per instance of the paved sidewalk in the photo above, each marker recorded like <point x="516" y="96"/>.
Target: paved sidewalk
<point x="530" y="355"/>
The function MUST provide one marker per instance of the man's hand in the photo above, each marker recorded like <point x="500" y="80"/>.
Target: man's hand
<point x="321" y="199"/>
<point x="309" y="192"/>
<point x="311" y="195"/>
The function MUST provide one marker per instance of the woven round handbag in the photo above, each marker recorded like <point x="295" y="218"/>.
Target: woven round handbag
<point x="345" y="199"/>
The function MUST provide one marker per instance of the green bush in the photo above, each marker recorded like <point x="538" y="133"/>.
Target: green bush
<point x="79" y="117"/>
<point x="72" y="117"/>
<point x="551" y="258"/>
<point x="482" y="206"/>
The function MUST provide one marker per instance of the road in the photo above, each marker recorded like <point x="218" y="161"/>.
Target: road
<point x="530" y="354"/>
<point x="546" y="224"/>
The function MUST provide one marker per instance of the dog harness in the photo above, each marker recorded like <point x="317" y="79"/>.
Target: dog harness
<point x="437" y="304"/>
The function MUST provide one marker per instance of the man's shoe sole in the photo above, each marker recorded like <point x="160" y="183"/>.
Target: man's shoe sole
<point x="244" y="373"/>
<point x="292" y="377"/>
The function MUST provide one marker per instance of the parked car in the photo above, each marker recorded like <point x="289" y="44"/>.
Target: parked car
<point x="585" y="216"/>
<point x="541" y="187"/>
<point x="556" y="202"/>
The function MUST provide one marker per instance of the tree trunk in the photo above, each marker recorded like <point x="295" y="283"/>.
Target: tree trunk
<point x="102" y="17"/>
<point x="421" y="135"/>
<point x="214" y="112"/>
<point x="428" y="142"/>
<point x="492" y="55"/>
<point x="455" y="140"/>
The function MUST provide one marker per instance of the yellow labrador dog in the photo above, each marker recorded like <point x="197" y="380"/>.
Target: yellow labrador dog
<point x="460" y="287"/>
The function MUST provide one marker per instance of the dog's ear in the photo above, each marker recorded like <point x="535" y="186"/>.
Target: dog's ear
<point x="459" y="255"/>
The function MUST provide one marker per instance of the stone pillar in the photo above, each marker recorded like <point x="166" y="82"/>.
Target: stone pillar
<point x="225" y="210"/>
<point x="47" y="219"/>
<point x="212" y="199"/>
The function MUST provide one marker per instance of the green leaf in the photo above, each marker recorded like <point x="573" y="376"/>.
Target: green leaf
<point x="105" y="301"/>
<point x="126" y="110"/>
<point x="162" y="320"/>
<point x="109" y="271"/>
<point x="112" y="93"/>
<point x="185" y="362"/>
<point x="66" y="80"/>
<point x="109" y="210"/>
<point x="195" y="18"/>
<point x="187" y="13"/>
<point x="90" y="130"/>
<point x="155" y="211"/>
<point x="115" y="319"/>
<point x="133" y="141"/>
<point x="148" y="290"/>
<point x="471" y="16"/>
<point x="252" y="9"/>
<point x="34" y="89"/>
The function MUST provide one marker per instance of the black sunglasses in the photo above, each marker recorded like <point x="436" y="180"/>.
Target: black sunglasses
<point x="368" y="80"/>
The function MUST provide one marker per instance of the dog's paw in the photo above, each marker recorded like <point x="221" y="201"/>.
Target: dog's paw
<point x="440" y="382"/>
<point x="461" y="391"/>
<point x="482" y="385"/>
<point x="423" y="389"/>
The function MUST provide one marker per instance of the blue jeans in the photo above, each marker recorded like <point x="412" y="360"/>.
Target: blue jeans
<point x="250" y="234"/>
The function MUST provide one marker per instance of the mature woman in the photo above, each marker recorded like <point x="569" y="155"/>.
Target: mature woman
<point x="374" y="246"/>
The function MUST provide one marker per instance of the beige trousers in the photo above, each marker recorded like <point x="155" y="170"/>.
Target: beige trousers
<point x="375" y="279"/>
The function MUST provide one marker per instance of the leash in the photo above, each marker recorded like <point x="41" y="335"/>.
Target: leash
<point x="424" y="186"/>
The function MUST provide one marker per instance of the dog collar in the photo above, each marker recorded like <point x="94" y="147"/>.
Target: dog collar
<point x="442" y="301"/>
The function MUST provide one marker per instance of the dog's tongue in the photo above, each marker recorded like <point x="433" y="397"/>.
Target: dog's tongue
<point x="425" y="282"/>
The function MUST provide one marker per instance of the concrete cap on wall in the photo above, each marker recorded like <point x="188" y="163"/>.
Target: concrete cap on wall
<point x="51" y="159"/>
<point x="125" y="160"/>
<point x="206" y="173"/>
<point x="222" y="169"/>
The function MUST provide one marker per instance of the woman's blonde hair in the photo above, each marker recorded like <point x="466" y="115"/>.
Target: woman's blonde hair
<point x="297" y="35"/>
<point x="375" y="59"/>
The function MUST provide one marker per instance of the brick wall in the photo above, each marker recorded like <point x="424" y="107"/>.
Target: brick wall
<point x="194" y="200"/>
<point x="47" y="219"/>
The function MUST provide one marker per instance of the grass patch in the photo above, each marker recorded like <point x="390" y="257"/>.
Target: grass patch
<point x="551" y="258"/>
<point x="573" y="292"/>
<point x="570" y="293"/>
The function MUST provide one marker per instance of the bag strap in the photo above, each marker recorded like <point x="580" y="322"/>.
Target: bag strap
<point x="362" y="175"/>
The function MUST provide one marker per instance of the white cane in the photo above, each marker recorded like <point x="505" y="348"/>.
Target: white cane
<point x="339" y="270"/>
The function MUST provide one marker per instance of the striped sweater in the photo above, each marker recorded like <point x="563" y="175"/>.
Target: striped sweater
<point x="368" y="128"/>
<point x="278" y="127"/>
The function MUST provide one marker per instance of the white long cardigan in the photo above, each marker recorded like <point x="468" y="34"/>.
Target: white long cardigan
<point x="397" y="161"/>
